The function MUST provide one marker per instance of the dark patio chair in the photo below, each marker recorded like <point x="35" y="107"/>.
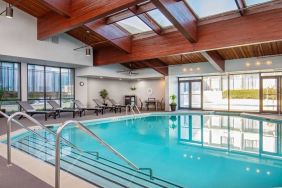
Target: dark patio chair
<point x="59" y="109"/>
<point x="28" y="109"/>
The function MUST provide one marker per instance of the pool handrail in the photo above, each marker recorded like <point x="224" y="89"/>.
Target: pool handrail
<point x="9" y="123"/>
<point x="24" y="127"/>
<point x="97" y="138"/>
<point x="131" y="107"/>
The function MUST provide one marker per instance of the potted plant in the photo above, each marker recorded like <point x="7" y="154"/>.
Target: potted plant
<point x="104" y="94"/>
<point x="2" y="95"/>
<point x="133" y="88"/>
<point x="173" y="102"/>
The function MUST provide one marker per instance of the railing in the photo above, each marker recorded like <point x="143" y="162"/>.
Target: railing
<point x="97" y="138"/>
<point x="9" y="123"/>
<point x="131" y="107"/>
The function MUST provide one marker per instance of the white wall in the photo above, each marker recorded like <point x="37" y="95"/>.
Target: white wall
<point x="18" y="38"/>
<point x="143" y="86"/>
<point x="117" y="89"/>
<point x="111" y="71"/>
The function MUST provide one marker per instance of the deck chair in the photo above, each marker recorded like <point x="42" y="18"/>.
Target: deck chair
<point x="104" y="107"/>
<point x="117" y="105"/>
<point x="28" y="109"/>
<point x="58" y="109"/>
<point x="84" y="108"/>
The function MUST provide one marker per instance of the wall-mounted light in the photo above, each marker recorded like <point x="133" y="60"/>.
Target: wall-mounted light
<point x="9" y="11"/>
<point x="88" y="52"/>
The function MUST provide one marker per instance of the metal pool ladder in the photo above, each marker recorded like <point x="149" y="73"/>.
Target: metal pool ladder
<point x="131" y="107"/>
<point x="9" y="123"/>
<point x="97" y="138"/>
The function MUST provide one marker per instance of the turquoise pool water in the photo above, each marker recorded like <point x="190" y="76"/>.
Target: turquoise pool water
<point x="191" y="151"/>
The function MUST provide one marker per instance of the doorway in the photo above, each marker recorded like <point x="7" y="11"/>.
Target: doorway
<point x="190" y="94"/>
<point x="271" y="94"/>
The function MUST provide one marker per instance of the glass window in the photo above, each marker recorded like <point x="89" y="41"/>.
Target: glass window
<point x="134" y="25"/>
<point x="9" y="86"/>
<point x="204" y="8"/>
<point x="50" y="83"/>
<point x="244" y="92"/>
<point x="184" y="95"/>
<point x="159" y="18"/>
<point x="36" y="86"/>
<point x="215" y="93"/>
<point x="255" y="2"/>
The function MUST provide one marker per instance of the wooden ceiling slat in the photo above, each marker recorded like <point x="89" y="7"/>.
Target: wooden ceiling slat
<point x="264" y="49"/>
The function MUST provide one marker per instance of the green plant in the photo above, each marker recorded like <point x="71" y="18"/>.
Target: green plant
<point x="104" y="94"/>
<point x="2" y="95"/>
<point x="248" y="93"/>
<point x="173" y="99"/>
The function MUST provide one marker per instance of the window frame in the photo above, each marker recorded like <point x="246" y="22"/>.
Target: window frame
<point x="19" y="83"/>
<point x="44" y="82"/>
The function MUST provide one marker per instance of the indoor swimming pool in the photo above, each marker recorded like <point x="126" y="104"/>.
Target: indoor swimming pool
<point x="183" y="150"/>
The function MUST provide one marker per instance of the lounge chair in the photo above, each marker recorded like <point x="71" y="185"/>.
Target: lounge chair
<point x="104" y="107"/>
<point x="59" y="109"/>
<point x="84" y="108"/>
<point x="117" y="105"/>
<point x="28" y="109"/>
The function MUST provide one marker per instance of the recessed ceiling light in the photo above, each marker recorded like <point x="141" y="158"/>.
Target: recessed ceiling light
<point x="269" y="62"/>
<point x="198" y="68"/>
<point x="184" y="69"/>
<point x="87" y="31"/>
<point x="248" y="64"/>
<point x="191" y="69"/>
<point x="258" y="63"/>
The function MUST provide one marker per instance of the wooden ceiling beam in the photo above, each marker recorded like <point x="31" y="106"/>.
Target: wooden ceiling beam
<point x="157" y="65"/>
<point x="180" y="16"/>
<point x="61" y="7"/>
<point x="241" y="31"/>
<point x="111" y="33"/>
<point x="132" y="11"/>
<point x="83" y="11"/>
<point x="150" y="23"/>
<point x="241" y="6"/>
<point x="147" y="20"/>
<point x="215" y="60"/>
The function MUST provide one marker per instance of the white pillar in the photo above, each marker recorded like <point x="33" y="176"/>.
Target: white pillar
<point x="81" y="90"/>
<point x="171" y="87"/>
<point x="23" y="81"/>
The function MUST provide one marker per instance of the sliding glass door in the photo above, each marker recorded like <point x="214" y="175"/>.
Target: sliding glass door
<point x="270" y="94"/>
<point x="190" y="94"/>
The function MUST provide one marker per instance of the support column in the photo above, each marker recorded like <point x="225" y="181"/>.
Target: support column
<point x="23" y="81"/>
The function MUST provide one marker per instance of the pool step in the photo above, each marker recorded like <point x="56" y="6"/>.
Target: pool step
<point x="103" y="172"/>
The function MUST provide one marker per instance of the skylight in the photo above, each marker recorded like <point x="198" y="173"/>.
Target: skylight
<point x="159" y="18"/>
<point x="134" y="25"/>
<point x="205" y="8"/>
<point x="255" y="2"/>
